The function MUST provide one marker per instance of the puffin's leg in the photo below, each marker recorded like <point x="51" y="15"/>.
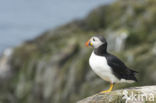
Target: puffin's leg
<point x="110" y="89"/>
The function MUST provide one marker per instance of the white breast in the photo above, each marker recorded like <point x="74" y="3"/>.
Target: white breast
<point x="101" y="68"/>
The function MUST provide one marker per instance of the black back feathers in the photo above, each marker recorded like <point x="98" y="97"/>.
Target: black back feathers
<point x="119" y="69"/>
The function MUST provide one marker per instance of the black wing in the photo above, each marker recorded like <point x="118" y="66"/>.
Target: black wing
<point x="120" y="70"/>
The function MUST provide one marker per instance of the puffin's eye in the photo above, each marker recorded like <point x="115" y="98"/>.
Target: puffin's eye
<point x="93" y="39"/>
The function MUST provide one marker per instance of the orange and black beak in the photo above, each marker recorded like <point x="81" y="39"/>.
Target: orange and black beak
<point x="88" y="43"/>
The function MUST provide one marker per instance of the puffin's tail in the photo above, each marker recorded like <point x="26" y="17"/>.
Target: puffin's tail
<point x="132" y="75"/>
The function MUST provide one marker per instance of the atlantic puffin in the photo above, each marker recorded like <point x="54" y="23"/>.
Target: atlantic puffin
<point x="108" y="66"/>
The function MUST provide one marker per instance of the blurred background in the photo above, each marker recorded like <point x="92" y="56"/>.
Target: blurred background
<point x="43" y="58"/>
<point x="26" y="19"/>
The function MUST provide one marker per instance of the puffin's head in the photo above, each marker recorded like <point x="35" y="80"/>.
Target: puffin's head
<point x="96" y="41"/>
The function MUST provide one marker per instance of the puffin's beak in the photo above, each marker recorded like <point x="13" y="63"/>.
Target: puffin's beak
<point x="88" y="43"/>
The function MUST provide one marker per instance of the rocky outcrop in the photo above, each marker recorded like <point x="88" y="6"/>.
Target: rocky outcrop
<point x="4" y="63"/>
<point x="146" y="94"/>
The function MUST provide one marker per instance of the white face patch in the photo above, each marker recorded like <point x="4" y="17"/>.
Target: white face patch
<point x="96" y="42"/>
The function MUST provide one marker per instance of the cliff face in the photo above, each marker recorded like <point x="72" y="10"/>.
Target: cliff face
<point x="146" y="94"/>
<point x="53" y="68"/>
